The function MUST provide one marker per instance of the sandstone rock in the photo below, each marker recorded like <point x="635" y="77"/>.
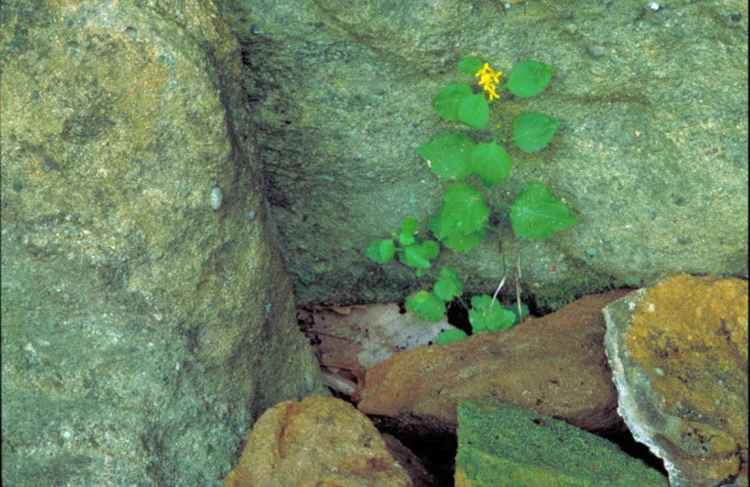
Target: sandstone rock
<point x="653" y="155"/>
<point x="142" y="327"/>
<point x="318" y="441"/>
<point x="554" y="365"/>
<point x="679" y="356"/>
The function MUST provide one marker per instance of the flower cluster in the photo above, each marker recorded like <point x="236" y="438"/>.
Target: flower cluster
<point x="488" y="80"/>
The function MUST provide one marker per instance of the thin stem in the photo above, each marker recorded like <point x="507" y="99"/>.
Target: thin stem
<point x="494" y="296"/>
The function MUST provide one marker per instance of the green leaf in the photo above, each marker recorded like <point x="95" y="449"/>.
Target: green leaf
<point x="419" y="256"/>
<point x="426" y="305"/>
<point x="448" y="155"/>
<point x="470" y="65"/>
<point x="488" y="315"/>
<point x="532" y="131"/>
<point x="448" y="285"/>
<point x="524" y="312"/>
<point x="474" y="111"/>
<point x="464" y="243"/>
<point x="447" y="100"/>
<point x="490" y="162"/>
<point x="408" y="230"/>
<point x="430" y="248"/>
<point x="381" y="251"/>
<point x="529" y="78"/>
<point x="536" y="214"/>
<point x="452" y="335"/>
<point x="463" y="212"/>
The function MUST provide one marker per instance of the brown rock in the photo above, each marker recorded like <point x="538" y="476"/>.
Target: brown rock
<point x="680" y="358"/>
<point x="554" y="365"/>
<point x="320" y="441"/>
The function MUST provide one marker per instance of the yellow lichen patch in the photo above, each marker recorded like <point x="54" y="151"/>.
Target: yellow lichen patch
<point x="689" y="335"/>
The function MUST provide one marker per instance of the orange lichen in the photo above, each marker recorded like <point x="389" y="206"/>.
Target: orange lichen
<point x="689" y="335"/>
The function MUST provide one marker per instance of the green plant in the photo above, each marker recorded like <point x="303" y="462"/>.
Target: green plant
<point x="462" y="221"/>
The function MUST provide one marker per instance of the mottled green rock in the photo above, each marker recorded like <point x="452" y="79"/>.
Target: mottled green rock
<point x="142" y="331"/>
<point x="502" y="445"/>
<point x="651" y="153"/>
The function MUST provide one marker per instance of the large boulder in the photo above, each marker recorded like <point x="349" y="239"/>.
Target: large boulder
<point x="652" y="151"/>
<point x="146" y="316"/>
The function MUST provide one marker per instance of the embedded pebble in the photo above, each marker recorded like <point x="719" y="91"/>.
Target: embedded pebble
<point x="216" y="197"/>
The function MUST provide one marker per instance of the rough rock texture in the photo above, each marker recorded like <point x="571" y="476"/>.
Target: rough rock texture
<point x="141" y="330"/>
<point x="652" y="152"/>
<point x="500" y="445"/>
<point x="319" y="441"/>
<point x="554" y="365"/>
<point x="679" y="355"/>
<point x="349" y="340"/>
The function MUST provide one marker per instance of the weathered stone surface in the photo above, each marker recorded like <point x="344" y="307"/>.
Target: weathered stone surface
<point x="554" y="365"/>
<point x="652" y="151"/>
<point x="679" y="355"/>
<point x="349" y="340"/>
<point x="141" y="329"/>
<point x="502" y="445"/>
<point x="319" y="441"/>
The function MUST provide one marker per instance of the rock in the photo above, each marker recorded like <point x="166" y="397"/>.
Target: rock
<point x="554" y="365"/>
<point x="141" y="329"/>
<point x="349" y="340"/>
<point x="679" y="356"/>
<point x="502" y="445"/>
<point x="317" y="441"/>
<point x="646" y="138"/>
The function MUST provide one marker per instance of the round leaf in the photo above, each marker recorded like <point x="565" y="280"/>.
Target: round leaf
<point x="529" y="78"/>
<point x="419" y="256"/>
<point x="452" y="335"/>
<point x="536" y="214"/>
<point x="532" y="131"/>
<point x="448" y="155"/>
<point x="463" y="212"/>
<point x="488" y="315"/>
<point x="490" y="162"/>
<point x="447" y="100"/>
<point x="470" y="65"/>
<point x="381" y="251"/>
<point x="464" y="243"/>
<point x="474" y="111"/>
<point x="413" y="256"/>
<point x="426" y="306"/>
<point x="408" y="230"/>
<point x="448" y="286"/>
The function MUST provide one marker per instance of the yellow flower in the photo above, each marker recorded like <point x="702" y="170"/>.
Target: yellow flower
<point x="488" y="80"/>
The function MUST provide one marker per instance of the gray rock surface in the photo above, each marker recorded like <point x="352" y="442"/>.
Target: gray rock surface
<point x="142" y="330"/>
<point x="651" y="154"/>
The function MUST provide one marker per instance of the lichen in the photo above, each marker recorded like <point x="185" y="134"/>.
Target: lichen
<point x="689" y="335"/>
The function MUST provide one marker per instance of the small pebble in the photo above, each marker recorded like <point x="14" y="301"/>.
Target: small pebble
<point x="216" y="197"/>
<point x="251" y="215"/>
